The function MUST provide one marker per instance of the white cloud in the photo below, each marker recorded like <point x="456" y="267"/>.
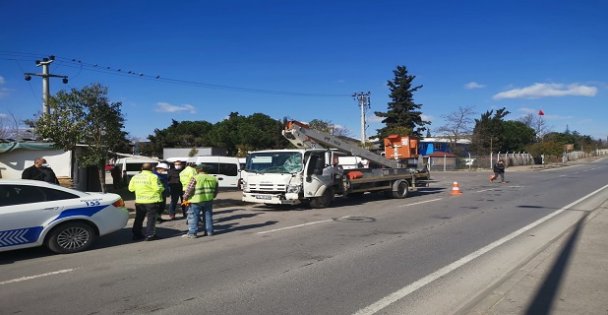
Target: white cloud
<point x="3" y="115"/>
<point x="2" y="81"/>
<point x="538" y="90"/>
<point x="170" y="108"/>
<point x="473" y="85"/>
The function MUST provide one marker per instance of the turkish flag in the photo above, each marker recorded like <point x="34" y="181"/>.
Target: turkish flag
<point x="541" y="113"/>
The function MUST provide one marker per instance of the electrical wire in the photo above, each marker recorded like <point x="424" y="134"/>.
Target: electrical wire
<point x="117" y="71"/>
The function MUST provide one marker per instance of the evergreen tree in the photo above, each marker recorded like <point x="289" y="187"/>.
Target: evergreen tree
<point x="488" y="133"/>
<point x="403" y="115"/>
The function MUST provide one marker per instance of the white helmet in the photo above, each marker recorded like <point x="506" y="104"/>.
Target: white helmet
<point x="162" y="165"/>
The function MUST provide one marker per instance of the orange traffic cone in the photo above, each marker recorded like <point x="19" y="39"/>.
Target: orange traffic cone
<point x="456" y="189"/>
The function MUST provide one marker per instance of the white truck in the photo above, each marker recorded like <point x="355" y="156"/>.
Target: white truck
<point x="310" y="174"/>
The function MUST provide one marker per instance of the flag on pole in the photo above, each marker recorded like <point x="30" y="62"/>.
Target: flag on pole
<point x="541" y="113"/>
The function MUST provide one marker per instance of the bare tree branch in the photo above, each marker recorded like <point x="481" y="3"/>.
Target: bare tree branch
<point x="459" y="124"/>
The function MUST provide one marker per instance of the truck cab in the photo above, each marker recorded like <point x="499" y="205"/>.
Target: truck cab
<point x="288" y="176"/>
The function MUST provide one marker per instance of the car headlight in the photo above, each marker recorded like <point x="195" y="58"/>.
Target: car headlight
<point x="293" y="189"/>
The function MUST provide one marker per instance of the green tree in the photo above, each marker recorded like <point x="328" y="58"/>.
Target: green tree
<point x="403" y="115"/>
<point x="328" y="127"/>
<point x="84" y="117"/>
<point x="488" y="131"/>
<point x="516" y="136"/>
<point x="180" y="134"/>
<point x="237" y="134"/>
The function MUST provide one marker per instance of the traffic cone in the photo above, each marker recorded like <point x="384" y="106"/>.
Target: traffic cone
<point x="456" y="189"/>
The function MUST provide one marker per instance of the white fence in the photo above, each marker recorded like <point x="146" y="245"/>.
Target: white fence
<point x="510" y="159"/>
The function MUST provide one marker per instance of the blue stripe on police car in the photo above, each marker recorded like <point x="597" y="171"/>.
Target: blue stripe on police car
<point x="19" y="236"/>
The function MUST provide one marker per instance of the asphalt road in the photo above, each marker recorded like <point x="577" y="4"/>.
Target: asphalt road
<point x="428" y="253"/>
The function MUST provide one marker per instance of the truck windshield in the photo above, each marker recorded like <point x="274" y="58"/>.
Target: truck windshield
<point x="274" y="162"/>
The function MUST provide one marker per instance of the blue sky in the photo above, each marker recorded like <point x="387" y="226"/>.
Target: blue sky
<point x="304" y="59"/>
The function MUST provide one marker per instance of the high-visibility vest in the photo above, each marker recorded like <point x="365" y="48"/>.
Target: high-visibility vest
<point x="186" y="175"/>
<point x="147" y="187"/>
<point x="205" y="188"/>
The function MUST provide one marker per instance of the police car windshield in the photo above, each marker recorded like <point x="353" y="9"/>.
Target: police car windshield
<point x="274" y="162"/>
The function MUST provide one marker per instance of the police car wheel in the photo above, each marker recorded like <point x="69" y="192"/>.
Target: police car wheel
<point x="71" y="237"/>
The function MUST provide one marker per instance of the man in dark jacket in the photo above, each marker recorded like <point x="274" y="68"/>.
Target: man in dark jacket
<point x="175" y="187"/>
<point x="499" y="171"/>
<point x="40" y="171"/>
<point x="34" y="172"/>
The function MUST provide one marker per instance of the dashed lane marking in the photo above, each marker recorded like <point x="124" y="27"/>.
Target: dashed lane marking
<point x="37" y="276"/>
<point x="295" y="226"/>
<point x="419" y="203"/>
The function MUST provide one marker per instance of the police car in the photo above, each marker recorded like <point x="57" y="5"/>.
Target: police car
<point x="35" y="213"/>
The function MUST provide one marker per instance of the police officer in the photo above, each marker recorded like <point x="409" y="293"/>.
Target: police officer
<point x="148" y="190"/>
<point x="200" y="192"/>
<point x="184" y="177"/>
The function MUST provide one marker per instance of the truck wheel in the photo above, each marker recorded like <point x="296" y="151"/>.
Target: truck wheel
<point x="71" y="237"/>
<point x="400" y="189"/>
<point x="323" y="201"/>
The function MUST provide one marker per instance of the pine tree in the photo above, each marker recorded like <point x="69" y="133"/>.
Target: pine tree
<point x="403" y="115"/>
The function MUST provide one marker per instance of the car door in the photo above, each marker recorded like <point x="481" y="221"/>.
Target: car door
<point x="24" y="212"/>
<point x="315" y="179"/>
<point x="228" y="173"/>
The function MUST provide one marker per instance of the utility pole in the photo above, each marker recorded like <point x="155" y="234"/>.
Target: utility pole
<point x="364" y="104"/>
<point x="45" y="75"/>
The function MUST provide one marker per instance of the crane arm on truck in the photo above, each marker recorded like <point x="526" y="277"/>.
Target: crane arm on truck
<point x="300" y="135"/>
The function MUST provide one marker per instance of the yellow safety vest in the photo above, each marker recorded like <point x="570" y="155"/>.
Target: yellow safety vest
<point x="186" y="175"/>
<point x="205" y="188"/>
<point x="147" y="187"/>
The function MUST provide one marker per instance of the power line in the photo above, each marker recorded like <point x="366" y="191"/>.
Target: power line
<point x="120" y="71"/>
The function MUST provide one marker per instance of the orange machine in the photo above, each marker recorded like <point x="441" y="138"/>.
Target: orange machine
<point x="398" y="147"/>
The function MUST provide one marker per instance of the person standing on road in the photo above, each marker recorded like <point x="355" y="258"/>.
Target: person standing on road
<point x="116" y="177"/>
<point x="175" y="187"/>
<point x="184" y="177"/>
<point x="161" y="172"/>
<point x="499" y="171"/>
<point x="148" y="190"/>
<point x="200" y="192"/>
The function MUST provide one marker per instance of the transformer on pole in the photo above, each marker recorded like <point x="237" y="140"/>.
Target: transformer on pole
<point x="45" y="75"/>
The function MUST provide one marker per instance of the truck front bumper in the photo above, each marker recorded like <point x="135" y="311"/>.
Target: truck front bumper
<point x="273" y="199"/>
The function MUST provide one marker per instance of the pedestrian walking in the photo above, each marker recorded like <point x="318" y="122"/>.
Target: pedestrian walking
<point x="175" y="187"/>
<point x="200" y="192"/>
<point x="184" y="177"/>
<point x="148" y="190"/>
<point x="161" y="171"/>
<point x="499" y="171"/>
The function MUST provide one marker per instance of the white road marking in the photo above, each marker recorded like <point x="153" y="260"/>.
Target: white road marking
<point x="36" y="276"/>
<point x="485" y="190"/>
<point x="419" y="203"/>
<point x="407" y="290"/>
<point x="295" y="226"/>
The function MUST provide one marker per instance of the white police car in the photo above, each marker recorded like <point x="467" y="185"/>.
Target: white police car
<point x="35" y="213"/>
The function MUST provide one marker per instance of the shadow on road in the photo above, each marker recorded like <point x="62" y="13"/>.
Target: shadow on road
<point x="118" y="238"/>
<point x="545" y="296"/>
